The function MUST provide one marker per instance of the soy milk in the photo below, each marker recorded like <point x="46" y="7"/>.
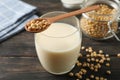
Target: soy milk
<point x="58" y="47"/>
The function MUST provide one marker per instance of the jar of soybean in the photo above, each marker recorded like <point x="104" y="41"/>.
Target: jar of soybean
<point x="102" y="23"/>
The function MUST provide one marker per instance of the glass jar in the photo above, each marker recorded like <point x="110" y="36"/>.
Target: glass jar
<point x="101" y="24"/>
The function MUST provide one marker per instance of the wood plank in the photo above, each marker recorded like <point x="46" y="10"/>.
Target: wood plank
<point x="23" y="45"/>
<point x="20" y="64"/>
<point x="29" y="68"/>
<point x="45" y="6"/>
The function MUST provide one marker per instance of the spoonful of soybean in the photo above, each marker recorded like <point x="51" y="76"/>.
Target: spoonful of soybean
<point x="41" y="24"/>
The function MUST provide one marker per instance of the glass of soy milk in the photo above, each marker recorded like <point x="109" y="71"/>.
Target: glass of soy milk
<point x="58" y="46"/>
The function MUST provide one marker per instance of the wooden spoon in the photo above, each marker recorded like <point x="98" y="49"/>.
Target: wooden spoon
<point x="41" y="24"/>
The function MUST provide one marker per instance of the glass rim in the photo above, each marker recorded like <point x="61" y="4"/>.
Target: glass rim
<point x="77" y="27"/>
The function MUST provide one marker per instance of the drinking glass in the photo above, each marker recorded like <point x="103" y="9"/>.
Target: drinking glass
<point x="58" y="54"/>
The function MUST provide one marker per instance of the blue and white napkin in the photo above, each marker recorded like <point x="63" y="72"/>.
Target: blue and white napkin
<point x="13" y="16"/>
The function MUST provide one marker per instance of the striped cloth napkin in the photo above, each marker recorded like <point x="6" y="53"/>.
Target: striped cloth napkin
<point x="13" y="16"/>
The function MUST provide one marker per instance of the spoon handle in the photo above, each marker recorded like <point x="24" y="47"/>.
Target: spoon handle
<point x="73" y="13"/>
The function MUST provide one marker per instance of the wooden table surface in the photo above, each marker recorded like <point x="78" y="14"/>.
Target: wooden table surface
<point x="18" y="59"/>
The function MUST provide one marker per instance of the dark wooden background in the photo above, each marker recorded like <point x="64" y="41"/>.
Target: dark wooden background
<point x="18" y="59"/>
